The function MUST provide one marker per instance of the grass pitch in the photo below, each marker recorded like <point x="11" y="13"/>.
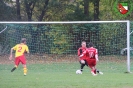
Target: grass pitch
<point x="62" y="75"/>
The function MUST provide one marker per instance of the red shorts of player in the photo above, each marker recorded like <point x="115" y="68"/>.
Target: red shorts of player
<point x="91" y="62"/>
<point x="20" y="59"/>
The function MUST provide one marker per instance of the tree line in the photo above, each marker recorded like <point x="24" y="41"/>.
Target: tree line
<point x="59" y="10"/>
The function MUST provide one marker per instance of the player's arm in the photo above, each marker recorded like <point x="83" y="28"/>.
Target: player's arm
<point x="27" y="50"/>
<point x="79" y="51"/>
<point x="96" y="55"/>
<point x="83" y="54"/>
<point x="11" y="51"/>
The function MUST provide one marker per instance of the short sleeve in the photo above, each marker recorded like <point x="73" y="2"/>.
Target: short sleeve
<point x="15" y="47"/>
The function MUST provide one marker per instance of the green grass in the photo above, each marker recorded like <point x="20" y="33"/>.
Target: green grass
<point x="62" y="75"/>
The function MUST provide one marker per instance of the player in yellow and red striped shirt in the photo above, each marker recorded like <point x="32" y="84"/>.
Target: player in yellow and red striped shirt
<point x="19" y="55"/>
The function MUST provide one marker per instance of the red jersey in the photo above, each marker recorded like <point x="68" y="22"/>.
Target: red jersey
<point x="90" y="53"/>
<point x="80" y="51"/>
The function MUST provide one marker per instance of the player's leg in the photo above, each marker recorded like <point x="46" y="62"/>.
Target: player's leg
<point x="17" y="61"/>
<point x="25" y="69"/>
<point x="96" y="70"/>
<point x="91" y="64"/>
<point x="23" y="61"/>
<point x="93" y="71"/>
<point x="94" y="66"/>
<point x="83" y="63"/>
<point x="99" y="72"/>
<point x="13" y="68"/>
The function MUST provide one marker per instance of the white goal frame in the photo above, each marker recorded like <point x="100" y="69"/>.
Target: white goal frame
<point x="77" y="22"/>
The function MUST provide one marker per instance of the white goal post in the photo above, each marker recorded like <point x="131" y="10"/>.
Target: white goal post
<point x="75" y="22"/>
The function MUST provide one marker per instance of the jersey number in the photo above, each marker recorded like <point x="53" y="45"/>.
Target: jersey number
<point x="91" y="54"/>
<point x="19" y="49"/>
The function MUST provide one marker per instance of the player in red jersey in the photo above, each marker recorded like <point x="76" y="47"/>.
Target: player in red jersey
<point x="82" y="59"/>
<point x="91" y="58"/>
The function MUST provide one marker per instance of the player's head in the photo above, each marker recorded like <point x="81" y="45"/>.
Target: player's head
<point x="23" y="40"/>
<point x="83" y="44"/>
<point x="90" y="44"/>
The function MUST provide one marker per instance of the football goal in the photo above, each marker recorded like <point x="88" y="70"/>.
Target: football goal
<point x="59" y="40"/>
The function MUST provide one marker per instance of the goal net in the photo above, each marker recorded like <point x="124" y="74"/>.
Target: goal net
<point x="58" y="41"/>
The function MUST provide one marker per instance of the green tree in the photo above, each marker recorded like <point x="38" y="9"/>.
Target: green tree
<point x="7" y="12"/>
<point x="96" y="9"/>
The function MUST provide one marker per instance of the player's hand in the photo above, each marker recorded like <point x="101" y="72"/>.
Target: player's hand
<point x="10" y="58"/>
<point x="28" y="54"/>
<point x="81" y="56"/>
<point x="97" y="60"/>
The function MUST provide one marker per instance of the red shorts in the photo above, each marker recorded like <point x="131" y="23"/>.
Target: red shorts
<point x="91" y="62"/>
<point x="20" y="59"/>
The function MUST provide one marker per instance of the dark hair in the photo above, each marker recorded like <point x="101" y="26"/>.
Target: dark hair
<point x="90" y="44"/>
<point x="23" y="40"/>
<point x="83" y="41"/>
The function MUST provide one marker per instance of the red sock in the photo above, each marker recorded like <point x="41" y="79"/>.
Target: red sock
<point x="95" y="71"/>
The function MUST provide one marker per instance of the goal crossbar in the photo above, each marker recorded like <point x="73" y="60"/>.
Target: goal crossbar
<point x="61" y="22"/>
